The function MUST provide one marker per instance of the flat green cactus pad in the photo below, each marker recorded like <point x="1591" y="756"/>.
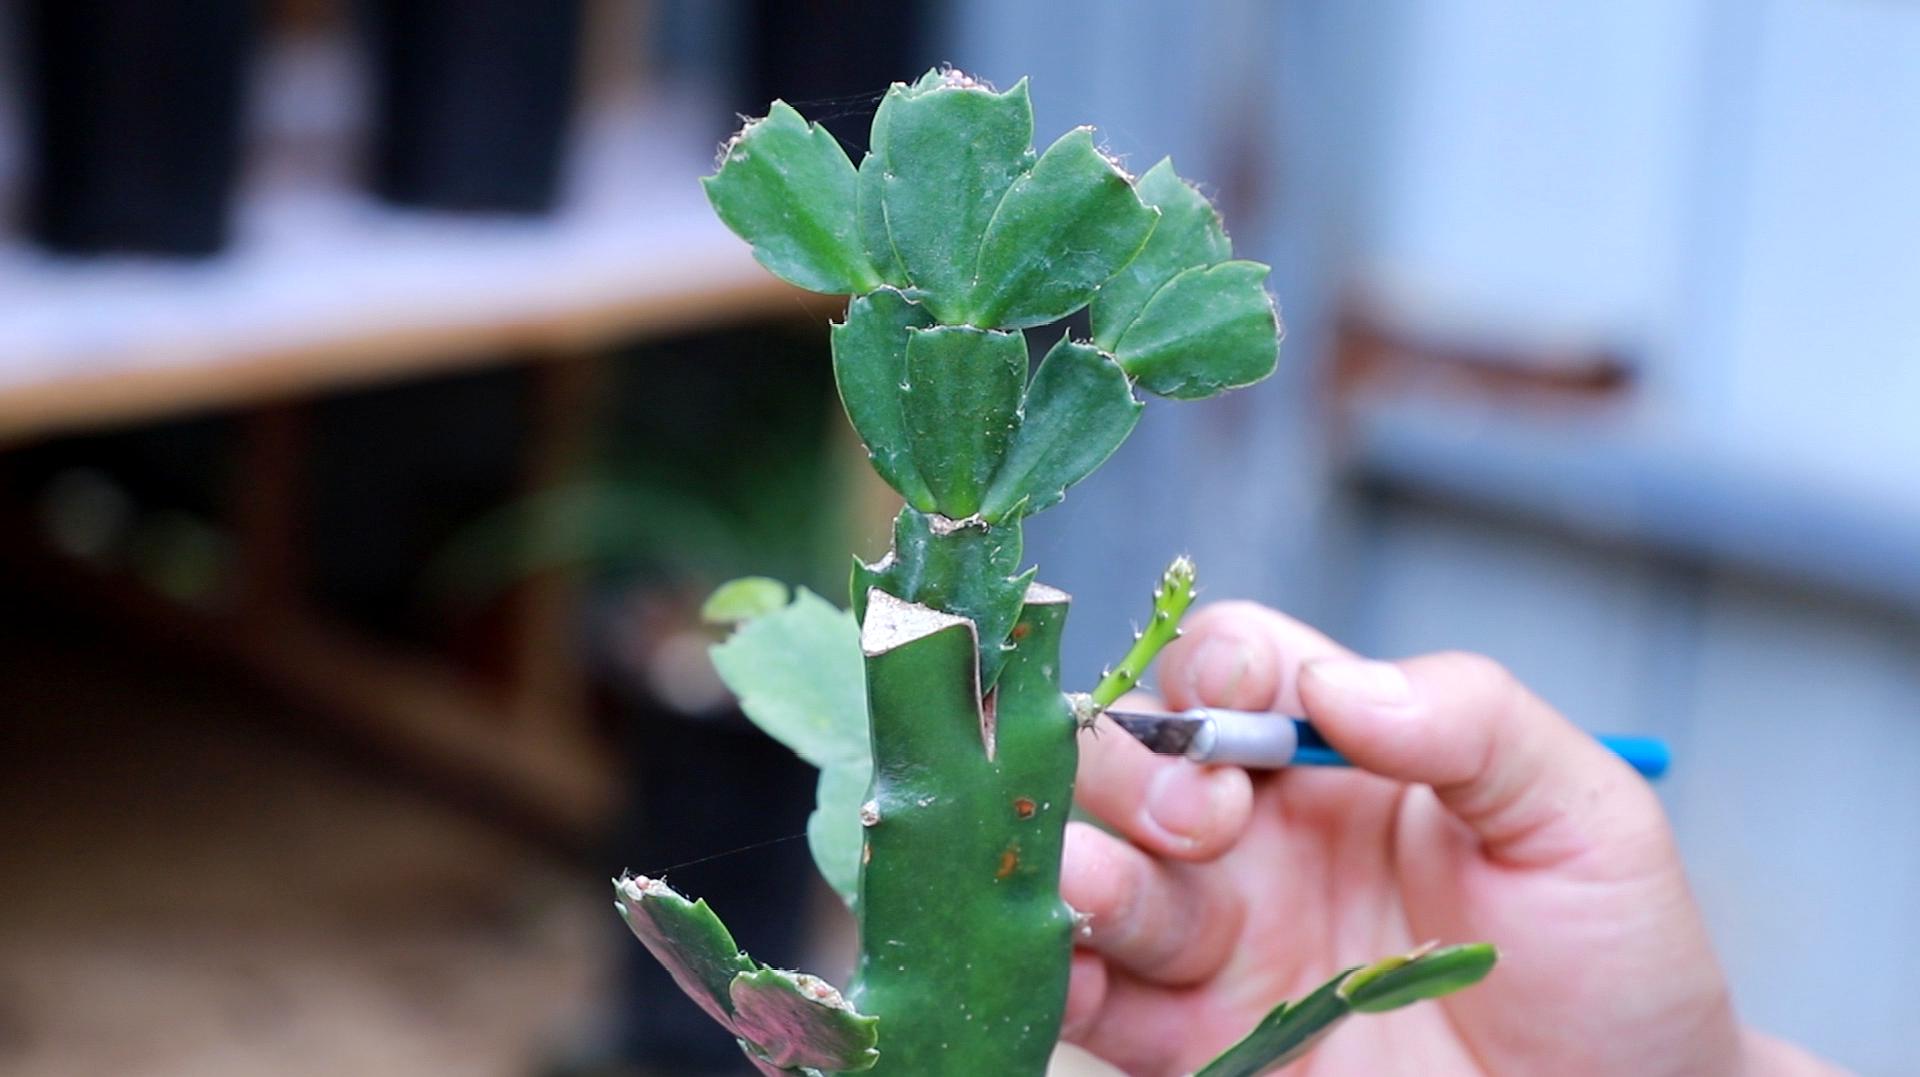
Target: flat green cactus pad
<point x="786" y="1022"/>
<point x="1189" y="234"/>
<point x="788" y="187"/>
<point x="961" y="403"/>
<point x="1078" y="409"/>
<point x="1063" y="229"/>
<point x="687" y="938"/>
<point x="947" y="150"/>
<point x="796" y="1020"/>
<point x="1209" y="329"/>
<point x="870" y="366"/>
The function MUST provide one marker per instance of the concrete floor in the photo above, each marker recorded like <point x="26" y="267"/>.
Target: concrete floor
<point x="185" y="889"/>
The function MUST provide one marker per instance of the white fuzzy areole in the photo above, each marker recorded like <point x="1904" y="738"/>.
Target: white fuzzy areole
<point x="894" y="622"/>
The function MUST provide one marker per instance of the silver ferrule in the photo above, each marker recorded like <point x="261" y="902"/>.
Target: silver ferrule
<point x="1243" y="739"/>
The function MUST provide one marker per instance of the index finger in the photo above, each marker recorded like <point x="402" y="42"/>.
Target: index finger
<point x="1168" y="805"/>
<point x="1244" y="656"/>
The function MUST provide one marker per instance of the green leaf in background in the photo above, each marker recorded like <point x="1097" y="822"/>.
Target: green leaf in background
<point x="961" y="403"/>
<point x="870" y="365"/>
<point x="1206" y="331"/>
<point x="743" y="600"/>
<point x="787" y="187"/>
<point x="834" y="834"/>
<point x="1064" y="229"/>
<point x="1079" y="408"/>
<point x="1189" y="234"/>
<point x="612" y="523"/>
<point x="1293" y="1028"/>
<point x="796" y="1020"/>
<point x="948" y="149"/>
<point x="797" y="674"/>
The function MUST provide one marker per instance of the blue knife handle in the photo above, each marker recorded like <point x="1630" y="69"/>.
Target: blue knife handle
<point x="1242" y="730"/>
<point x="1648" y="755"/>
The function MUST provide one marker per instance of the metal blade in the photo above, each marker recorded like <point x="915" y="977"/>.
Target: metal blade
<point x="1163" y="734"/>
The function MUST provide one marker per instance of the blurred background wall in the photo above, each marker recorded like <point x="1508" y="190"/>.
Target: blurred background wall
<point x="1603" y="357"/>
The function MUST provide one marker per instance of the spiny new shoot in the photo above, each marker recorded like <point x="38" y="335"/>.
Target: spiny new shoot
<point x="1170" y="602"/>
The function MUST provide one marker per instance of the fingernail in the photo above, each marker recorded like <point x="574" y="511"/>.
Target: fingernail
<point x="1218" y="667"/>
<point x="1378" y="684"/>
<point x="1183" y="799"/>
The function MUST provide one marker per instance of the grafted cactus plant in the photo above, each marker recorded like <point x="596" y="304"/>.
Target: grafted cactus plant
<point x="933" y="707"/>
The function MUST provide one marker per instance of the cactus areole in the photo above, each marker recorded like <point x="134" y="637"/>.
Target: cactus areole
<point x="933" y="707"/>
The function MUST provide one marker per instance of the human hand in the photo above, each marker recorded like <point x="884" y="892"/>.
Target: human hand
<point x="1474" y="812"/>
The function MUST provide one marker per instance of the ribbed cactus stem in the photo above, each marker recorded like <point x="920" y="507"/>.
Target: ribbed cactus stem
<point x="965" y="940"/>
<point x="1170" y="601"/>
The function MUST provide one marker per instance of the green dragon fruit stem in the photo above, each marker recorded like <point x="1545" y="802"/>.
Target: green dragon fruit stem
<point x="965" y="941"/>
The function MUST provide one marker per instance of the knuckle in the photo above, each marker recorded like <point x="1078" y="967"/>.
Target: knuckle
<point x="1209" y="936"/>
<point x="1489" y="677"/>
<point x="1096" y="877"/>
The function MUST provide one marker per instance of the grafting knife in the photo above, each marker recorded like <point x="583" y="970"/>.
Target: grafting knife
<point x="1269" y="741"/>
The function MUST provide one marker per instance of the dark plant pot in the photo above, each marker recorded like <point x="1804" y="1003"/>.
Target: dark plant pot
<point x="472" y="101"/>
<point x="837" y="56"/>
<point x="135" y="122"/>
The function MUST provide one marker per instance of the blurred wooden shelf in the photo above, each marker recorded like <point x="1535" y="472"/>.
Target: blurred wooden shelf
<point x="325" y="288"/>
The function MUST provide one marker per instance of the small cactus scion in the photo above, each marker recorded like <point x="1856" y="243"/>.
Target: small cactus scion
<point x="933" y="708"/>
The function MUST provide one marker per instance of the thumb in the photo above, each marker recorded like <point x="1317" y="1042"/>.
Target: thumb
<point x="1531" y="786"/>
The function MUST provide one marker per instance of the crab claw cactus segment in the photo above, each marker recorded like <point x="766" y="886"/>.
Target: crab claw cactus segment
<point x="961" y="403"/>
<point x="1077" y="410"/>
<point x="945" y="150"/>
<point x="1182" y="318"/>
<point x="787" y="188"/>
<point x="1424" y="974"/>
<point x="786" y="1022"/>
<point x="869" y="367"/>
<point x="1208" y="330"/>
<point x="1065" y="227"/>
<point x="796" y="1020"/>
